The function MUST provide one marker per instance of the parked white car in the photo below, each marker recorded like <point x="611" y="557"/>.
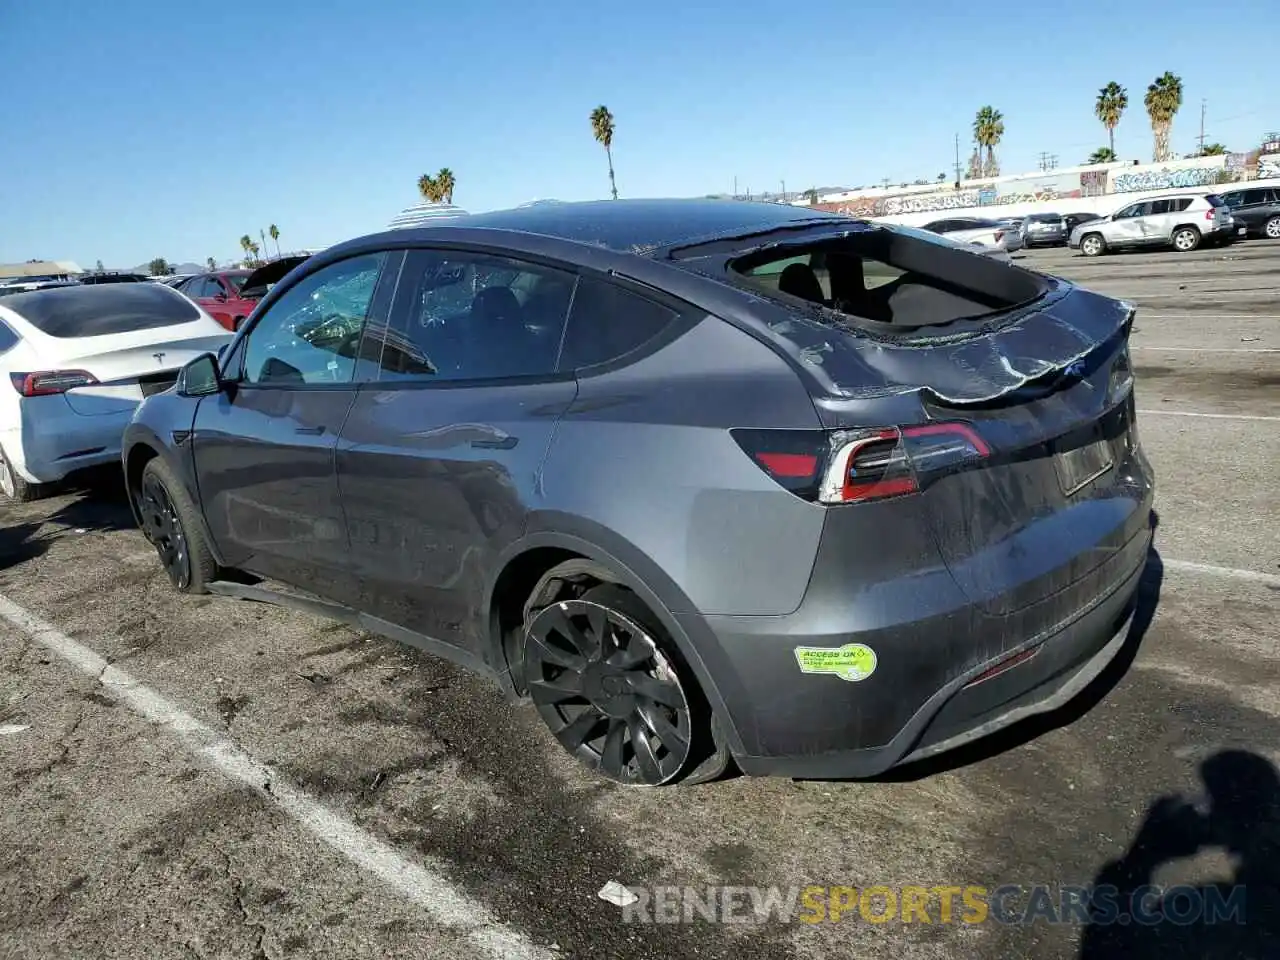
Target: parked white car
<point x="990" y="234"/>
<point x="1183" y="222"/>
<point x="79" y="359"/>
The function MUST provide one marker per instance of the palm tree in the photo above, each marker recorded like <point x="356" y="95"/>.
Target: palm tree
<point x="1213" y="150"/>
<point x="445" y="183"/>
<point x="942" y="177"/>
<point x="988" y="128"/>
<point x="602" y="130"/>
<point x="429" y="189"/>
<point x="212" y="264"/>
<point x="811" y="195"/>
<point x="1111" y="103"/>
<point x="274" y="232"/>
<point x="246" y="244"/>
<point x="253" y="250"/>
<point x="1102" y="155"/>
<point x="1163" y="99"/>
<point x="262" y="234"/>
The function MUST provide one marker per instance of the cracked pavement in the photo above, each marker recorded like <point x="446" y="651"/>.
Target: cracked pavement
<point x="117" y="842"/>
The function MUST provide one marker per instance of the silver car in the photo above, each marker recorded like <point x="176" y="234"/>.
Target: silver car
<point x="1182" y="222"/>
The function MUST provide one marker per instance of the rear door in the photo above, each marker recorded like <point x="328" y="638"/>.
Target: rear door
<point x="437" y="463"/>
<point x="264" y="449"/>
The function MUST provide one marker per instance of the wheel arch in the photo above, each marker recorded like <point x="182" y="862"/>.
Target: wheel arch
<point x="549" y="540"/>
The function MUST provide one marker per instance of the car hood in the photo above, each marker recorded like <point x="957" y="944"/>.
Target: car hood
<point x="257" y="284"/>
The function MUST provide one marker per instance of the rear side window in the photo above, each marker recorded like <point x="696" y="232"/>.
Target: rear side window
<point x="1183" y="204"/>
<point x="8" y="339"/>
<point x="607" y="322"/>
<point x="98" y="310"/>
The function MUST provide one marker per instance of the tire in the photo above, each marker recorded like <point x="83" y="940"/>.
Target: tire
<point x="1271" y="229"/>
<point x="1092" y="245"/>
<point x="13" y="486"/>
<point x="236" y="324"/>
<point x="1185" y="239"/>
<point x="172" y="524"/>
<point x="609" y="684"/>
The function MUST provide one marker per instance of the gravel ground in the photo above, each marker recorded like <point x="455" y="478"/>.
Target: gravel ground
<point x="124" y="837"/>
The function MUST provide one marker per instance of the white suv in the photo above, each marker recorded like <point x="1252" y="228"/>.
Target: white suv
<point x="1182" y="222"/>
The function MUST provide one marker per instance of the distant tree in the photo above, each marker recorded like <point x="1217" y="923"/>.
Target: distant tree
<point x="253" y="251"/>
<point x="974" y="169"/>
<point x="212" y="264"/>
<point x="445" y="181"/>
<point x="1102" y="155"/>
<point x="1214" y="150"/>
<point x="159" y="267"/>
<point x="274" y="232"/>
<point x="1163" y="99"/>
<point x="429" y="188"/>
<point x="1110" y="105"/>
<point x="246" y="244"/>
<point x="988" y="129"/>
<point x="99" y="267"/>
<point x="811" y="195"/>
<point x="942" y="177"/>
<point x="602" y="129"/>
<point x="262" y="235"/>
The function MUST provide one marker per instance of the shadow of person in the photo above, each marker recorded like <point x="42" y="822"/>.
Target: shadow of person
<point x="1235" y="919"/>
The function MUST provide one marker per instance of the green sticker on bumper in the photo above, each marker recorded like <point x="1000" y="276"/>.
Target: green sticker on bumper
<point x="853" y="661"/>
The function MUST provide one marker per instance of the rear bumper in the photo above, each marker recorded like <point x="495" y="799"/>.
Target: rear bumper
<point x="54" y="441"/>
<point x="1045" y="239"/>
<point x="1059" y="663"/>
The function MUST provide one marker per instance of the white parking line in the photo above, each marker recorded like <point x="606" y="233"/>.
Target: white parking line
<point x="1147" y="346"/>
<point x="1187" y="566"/>
<point x="1207" y="416"/>
<point x="422" y="884"/>
<point x="1193" y="314"/>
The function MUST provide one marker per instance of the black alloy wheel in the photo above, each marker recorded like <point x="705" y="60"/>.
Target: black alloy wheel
<point x="163" y="528"/>
<point x="606" y="689"/>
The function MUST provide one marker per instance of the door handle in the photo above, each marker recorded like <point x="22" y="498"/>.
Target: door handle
<point x="506" y="443"/>
<point x="310" y="431"/>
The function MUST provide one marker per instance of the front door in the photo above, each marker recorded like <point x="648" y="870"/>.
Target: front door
<point x="439" y="459"/>
<point x="264" y="449"/>
<point x="1127" y="226"/>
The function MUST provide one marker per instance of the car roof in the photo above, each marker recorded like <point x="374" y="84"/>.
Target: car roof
<point x="629" y="226"/>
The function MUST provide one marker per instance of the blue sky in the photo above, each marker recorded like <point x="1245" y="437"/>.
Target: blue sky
<point x="144" y="129"/>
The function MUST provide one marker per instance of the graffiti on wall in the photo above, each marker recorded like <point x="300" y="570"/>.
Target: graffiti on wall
<point x="1268" y="167"/>
<point x="1093" y="183"/>
<point x="1165" y="178"/>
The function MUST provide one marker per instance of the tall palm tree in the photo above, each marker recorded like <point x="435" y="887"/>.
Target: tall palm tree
<point x="212" y="264"/>
<point x="1111" y="103"/>
<point x="429" y="189"/>
<point x="445" y="182"/>
<point x="1163" y="99"/>
<point x="253" y="250"/>
<point x="274" y="233"/>
<point x="246" y="244"/>
<point x="262" y="235"/>
<point x="1102" y="155"/>
<point x="988" y="128"/>
<point x="602" y="130"/>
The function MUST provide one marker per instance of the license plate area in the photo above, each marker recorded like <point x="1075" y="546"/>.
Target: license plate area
<point x="1081" y="464"/>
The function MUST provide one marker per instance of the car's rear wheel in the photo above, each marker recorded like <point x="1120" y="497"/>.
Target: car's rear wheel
<point x="1186" y="239"/>
<point x="604" y="677"/>
<point x="171" y="523"/>
<point x="1272" y="228"/>
<point x="236" y="323"/>
<point x="12" y="485"/>
<point x="1092" y="245"/>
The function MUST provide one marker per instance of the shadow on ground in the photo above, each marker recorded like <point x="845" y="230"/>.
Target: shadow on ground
<point x="92" y="502"/>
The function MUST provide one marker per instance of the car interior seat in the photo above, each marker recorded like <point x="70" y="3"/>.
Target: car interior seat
<point x="799" y="280"/>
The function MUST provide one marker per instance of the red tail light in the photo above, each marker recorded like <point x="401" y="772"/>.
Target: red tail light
<point x="1210" y="213"/>
<point x="999" y="235"/>
<point x="46" y="382"/>
<point x="857" y="466"/>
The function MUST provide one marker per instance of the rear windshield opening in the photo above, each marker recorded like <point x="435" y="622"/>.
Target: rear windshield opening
<point x="888" y="279"/>
<point x="102" y="308"/>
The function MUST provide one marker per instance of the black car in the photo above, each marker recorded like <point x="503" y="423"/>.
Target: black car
<point x="112" y="277"/>
<point x="1257" y="209"/>
<point x="1073" y="220"/>
<point x="701" y="479"/>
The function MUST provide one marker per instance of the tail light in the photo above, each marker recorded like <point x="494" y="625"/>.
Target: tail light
<point x="1210" y="213"/>
<point x="857" y="466"/>
<point x="46" y="382"/>
<point x="999" y="235"/>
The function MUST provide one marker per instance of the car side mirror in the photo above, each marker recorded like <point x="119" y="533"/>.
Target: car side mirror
<point x="200" y="377"/>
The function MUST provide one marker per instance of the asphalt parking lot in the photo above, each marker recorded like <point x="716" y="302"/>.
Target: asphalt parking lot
<point x="214" y="778"/>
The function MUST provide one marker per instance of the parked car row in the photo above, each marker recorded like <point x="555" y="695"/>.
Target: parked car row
<point x="1182" y="222"/>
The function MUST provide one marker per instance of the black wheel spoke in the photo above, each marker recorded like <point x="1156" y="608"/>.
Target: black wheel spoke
<point x="558" y="623"/>
<point x="578" y="731"/>
<point x="598" y="618"/>
<point x="635" y="654"/>
<point x="612" y="757"/>
<point x="651" y="688"/>
<point x="546" y="650"/>
<point x="645" y="756"/>
<point x="566" y="686"/>
<point x="667" y="735"/>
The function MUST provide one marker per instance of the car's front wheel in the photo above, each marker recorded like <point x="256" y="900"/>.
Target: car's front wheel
<point x="1186" y="239"/>
<point x="170" y="521"/>
<point x="1093" y="245"/>
<point x="602" y="674"/>
<point x="1272" y="228"/>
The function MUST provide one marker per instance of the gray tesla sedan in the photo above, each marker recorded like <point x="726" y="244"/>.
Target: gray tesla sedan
<point x="708" y="482"/>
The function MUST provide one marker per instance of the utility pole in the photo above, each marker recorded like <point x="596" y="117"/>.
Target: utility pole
<point x="1200" y="152"/>
<point x="735" y="188"/>
<point x="1048" y="161"/>
<point x="957" y="161"/>
<point x="784" y="191"/>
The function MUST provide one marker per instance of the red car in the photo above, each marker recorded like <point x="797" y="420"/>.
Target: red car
<point x="230" y="295"/>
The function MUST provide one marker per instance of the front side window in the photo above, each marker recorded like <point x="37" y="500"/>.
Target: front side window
<point x="1133" y="210"/>
<point x="311" y="335"/>
<point x="472" y="316"/>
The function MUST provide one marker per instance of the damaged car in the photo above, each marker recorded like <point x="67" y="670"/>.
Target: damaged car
<point x="708" y="483"/>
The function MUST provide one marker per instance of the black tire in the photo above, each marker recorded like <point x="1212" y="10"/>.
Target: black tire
<point x="1093" y="245"/>
<point x="172" y="524"/>
<point x="237" y="323"/>
<point x="1185" y="239"/>
<point x="609" y="683"/>
<point x="1271" y="229"/>
<point x="13" y="486"/>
